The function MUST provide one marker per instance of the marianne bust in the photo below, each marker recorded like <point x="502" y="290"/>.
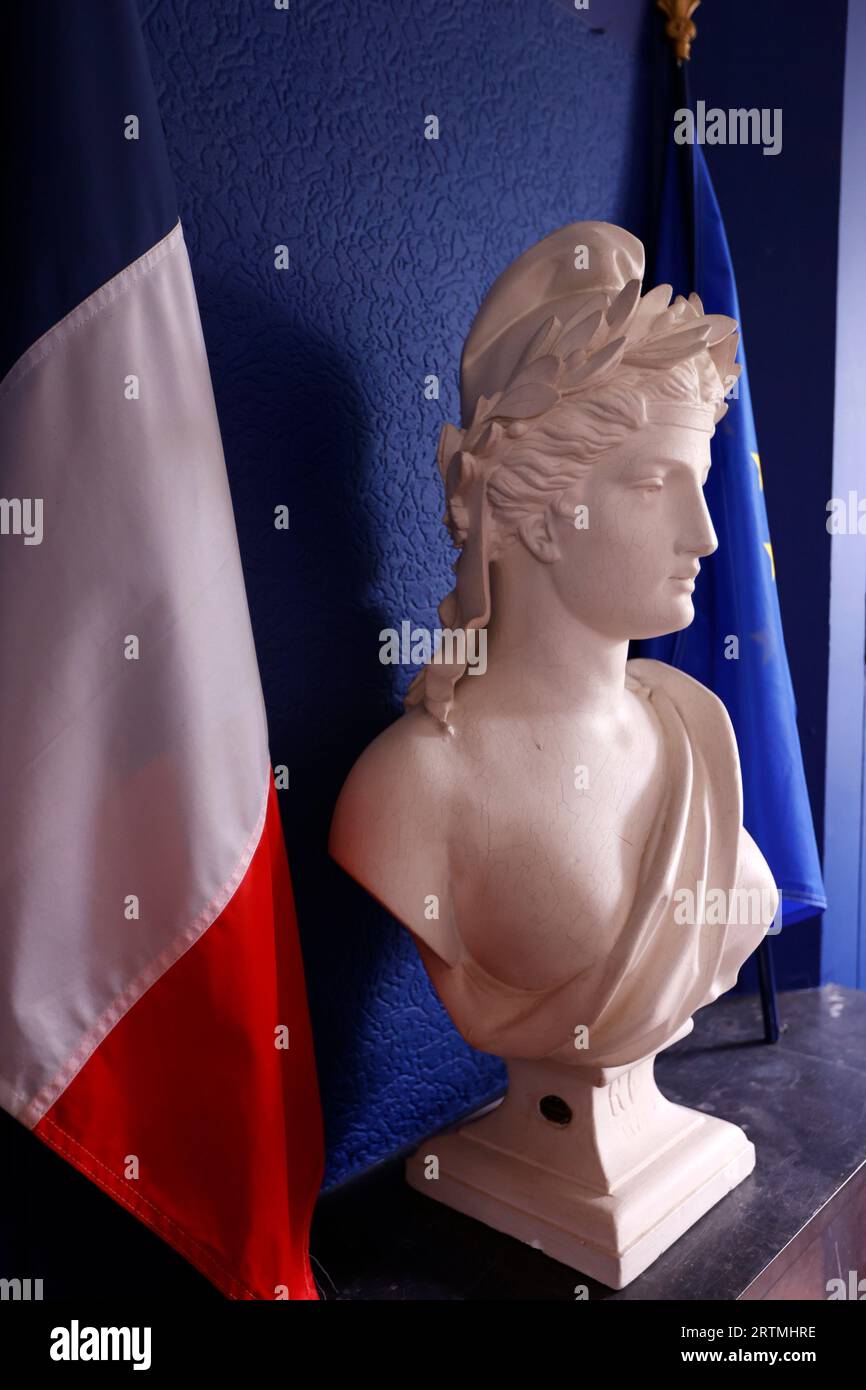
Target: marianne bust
<point x="536" y="826"/>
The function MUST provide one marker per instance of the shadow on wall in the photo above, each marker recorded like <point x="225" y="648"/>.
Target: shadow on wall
<point x="392" y="1067"/>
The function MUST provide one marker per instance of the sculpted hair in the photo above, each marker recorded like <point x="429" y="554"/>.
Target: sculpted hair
<point x="540" y="460"/>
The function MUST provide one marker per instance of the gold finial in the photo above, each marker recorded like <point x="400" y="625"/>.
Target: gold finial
<point x="679" y="28"/>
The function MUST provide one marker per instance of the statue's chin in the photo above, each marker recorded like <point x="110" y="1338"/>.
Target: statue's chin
<point x="680" y="615"/>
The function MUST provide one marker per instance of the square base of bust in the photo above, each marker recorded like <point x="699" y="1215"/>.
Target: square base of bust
<point x="610" y="1236"/>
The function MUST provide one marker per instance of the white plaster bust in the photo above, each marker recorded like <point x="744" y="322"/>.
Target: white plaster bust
<point x="550" y="808"/>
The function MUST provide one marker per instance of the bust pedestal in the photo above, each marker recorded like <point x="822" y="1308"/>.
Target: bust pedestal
<point x="592" y="1165"/>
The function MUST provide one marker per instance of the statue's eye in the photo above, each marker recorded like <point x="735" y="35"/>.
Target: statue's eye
<point x="648" y="486"/>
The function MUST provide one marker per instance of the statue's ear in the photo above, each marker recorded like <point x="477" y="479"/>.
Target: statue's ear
<point x="534" y="531"/>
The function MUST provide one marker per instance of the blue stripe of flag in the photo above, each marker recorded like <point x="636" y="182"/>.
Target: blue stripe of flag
<point x="80" y="200"/>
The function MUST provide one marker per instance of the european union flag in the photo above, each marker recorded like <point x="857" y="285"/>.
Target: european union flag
<point x="735" y="645"/>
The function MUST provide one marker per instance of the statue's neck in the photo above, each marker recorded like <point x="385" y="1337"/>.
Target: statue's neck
<point x="541" y="658"/>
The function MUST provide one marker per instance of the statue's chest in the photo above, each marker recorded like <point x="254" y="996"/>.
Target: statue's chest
<point x="545" y="859"/>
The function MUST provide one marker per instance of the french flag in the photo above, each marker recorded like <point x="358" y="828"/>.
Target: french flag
<point x="153" y="1018"/>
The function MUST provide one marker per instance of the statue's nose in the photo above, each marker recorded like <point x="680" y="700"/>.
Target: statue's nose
<point x="698" y="536"/>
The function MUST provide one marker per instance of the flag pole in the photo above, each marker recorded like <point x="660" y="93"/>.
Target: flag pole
<point x="680" y="28"/>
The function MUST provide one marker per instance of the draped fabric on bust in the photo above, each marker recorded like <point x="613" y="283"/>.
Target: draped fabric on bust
<point x="659" y="970"/>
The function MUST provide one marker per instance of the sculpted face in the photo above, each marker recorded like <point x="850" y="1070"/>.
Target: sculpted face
<point x="629" y="566"/>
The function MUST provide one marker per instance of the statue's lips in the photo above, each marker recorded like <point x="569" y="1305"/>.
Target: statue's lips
<point x="685" y="581"/>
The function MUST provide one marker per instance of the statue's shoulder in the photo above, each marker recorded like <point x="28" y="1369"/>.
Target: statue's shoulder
<point x="694" y="701"/>
<point x="704" y="720"/>
<point x="390" y="828"/>
<point x="404" y="766"/>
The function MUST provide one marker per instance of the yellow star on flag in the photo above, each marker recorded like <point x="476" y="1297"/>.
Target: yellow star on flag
<point x="757" y="459"/>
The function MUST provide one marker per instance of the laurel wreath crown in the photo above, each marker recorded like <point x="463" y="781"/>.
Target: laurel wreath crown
<point x="574" y="358"/>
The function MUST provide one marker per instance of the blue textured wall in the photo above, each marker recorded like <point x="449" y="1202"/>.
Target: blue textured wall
<point x="306" y="128"/>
